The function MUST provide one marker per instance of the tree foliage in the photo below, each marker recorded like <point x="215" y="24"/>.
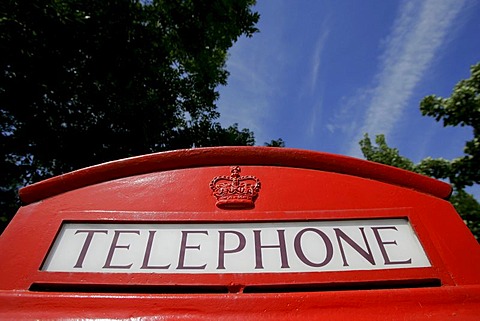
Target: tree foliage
<point x="84" y="82"/>
<point x="462" y="108"/>
<point x="275" y="143"/>
<point x="382" y="153"/>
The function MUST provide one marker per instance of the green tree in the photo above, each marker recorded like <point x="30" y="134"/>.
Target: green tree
<point x="275" y="143"/>
<point x="84" y="82"/>
<point x="462" y="108"/>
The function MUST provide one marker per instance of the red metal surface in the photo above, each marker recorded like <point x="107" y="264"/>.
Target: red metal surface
<point x="202" y="157"/>
<point x="295" y="186"/>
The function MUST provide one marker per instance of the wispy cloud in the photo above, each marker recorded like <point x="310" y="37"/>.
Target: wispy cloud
<point x="317" y="56"/>
<point x="246" y="98"/>
<point x="315" y="71"/>
<point x="419" y="32"/>
<point x="255" y="65"/>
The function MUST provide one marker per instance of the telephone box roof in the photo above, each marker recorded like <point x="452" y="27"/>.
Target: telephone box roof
<point x="202" y="157"/>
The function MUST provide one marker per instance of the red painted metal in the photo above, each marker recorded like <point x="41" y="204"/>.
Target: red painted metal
<point x="202" y="157"/>
<point x="296" y="185"/>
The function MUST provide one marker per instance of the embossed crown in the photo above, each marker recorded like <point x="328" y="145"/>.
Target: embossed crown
<point x="235" y="191"/>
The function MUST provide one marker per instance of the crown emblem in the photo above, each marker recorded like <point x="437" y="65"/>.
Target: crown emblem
<point x="235" y="191"/>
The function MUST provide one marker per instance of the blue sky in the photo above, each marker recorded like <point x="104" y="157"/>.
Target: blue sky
<point x="320" y="74"/>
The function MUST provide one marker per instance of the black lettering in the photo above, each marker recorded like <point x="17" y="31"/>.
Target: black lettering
<point x="148" y="251"/>
<point x="86" y="245"/>
<point x="221" y="246"/>
<point x="382" y="243"/>
<point x="114" y="246"/>
<point x="367" y="255"/>
<point x="183" y="249"/>
<point x="301" y="254"/>
<point x="259" y="247"/>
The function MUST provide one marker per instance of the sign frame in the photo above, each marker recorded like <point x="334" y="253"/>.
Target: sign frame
<point x="409" y="277"/>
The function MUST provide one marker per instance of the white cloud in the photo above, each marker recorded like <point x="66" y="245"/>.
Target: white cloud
<point x="246" y="98"/>
<point x="418" y="33"/>
<point x="254" y="65"/>
<point x="317" y="56"/>
<point x="315" y="72"/>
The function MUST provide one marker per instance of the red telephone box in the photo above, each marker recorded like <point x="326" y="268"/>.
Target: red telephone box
<point x="239" y="233"/>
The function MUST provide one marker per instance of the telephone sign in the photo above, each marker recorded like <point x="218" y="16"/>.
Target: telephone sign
<point x="237" y="248"/>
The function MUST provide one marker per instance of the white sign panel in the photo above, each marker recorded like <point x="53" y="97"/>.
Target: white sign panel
<point x="302" y="246"/>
